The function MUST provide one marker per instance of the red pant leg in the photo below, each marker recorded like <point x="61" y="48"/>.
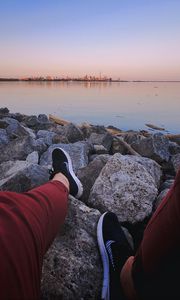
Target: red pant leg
<point x="28" y="224"/>
<point x="156" y="266"/>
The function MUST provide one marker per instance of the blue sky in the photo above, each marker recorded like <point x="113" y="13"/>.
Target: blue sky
<point x="120" y="38"/>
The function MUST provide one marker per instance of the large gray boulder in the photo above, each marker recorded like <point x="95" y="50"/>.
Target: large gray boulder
<point x="125" y="187"/>
<point x="151" y="166"/>
<point x="20" y="176"/>
<point x="78" y="152"/>
<point x="72" y="268"/>
<point x="155" y="146"/>
<point x="17" y="149"/>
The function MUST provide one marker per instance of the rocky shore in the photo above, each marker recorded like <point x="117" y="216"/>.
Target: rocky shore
<point x="125" y="172"/>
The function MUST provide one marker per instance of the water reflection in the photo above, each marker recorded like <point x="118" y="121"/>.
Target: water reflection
<point x="125" y="105"/>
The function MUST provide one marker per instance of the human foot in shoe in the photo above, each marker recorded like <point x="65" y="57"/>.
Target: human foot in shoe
<point x="61" y="163"/>
<point x="115" y="250"/>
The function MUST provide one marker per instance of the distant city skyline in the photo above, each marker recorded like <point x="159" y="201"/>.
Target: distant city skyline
<point x="130" y="40"/>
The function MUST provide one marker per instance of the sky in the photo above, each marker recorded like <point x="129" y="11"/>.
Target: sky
<point x="126" y="39"/>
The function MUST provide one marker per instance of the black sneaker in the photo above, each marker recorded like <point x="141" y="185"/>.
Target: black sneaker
<point x="114" y="249"/>
<point x="61" y="162"/>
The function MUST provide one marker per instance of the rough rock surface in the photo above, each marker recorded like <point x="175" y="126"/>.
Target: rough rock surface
<point x="46" y="135"/>
<point x="73" y="133"/>
<point x="78" y="152"/>
<point x="176" y="162"/>
<point x="174" y="148"/>
<point x="152" y="167"/>
<point x="118" y="147"/>
<point x="160" y="197"/>
<point x="72" y="268"/>
<point x="20" y="176"/>
<point x="156" y="147"/>
<point x="33" y="157"/>
<point x="4" y="139"/>
<point x="14" y="129"/>
<point x="125" y="187"/>
<point x="16" y="149"/>
<point x="87" y="129"/>
<point x="88" y="174"/>
<point x="104" y="139"/>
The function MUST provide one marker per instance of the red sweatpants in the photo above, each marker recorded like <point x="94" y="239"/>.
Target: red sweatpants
<point x="28" y="224"/>
<point x="155" y="269"/>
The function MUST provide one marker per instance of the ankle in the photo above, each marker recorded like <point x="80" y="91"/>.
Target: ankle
<point x="61" y="178"/>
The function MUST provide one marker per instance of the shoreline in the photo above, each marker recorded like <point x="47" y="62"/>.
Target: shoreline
<point x="84" y="80"/>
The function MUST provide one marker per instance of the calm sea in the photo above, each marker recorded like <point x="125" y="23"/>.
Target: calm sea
<point x="124" y="105"/>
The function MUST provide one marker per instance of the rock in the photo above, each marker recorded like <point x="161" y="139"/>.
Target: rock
<point x="4" y="139"/>
<point x="174" y="138"/>
<point x="33" y="157"/>
<point x="87" y="129"/>
<point x="38" y="123"/>
<point x="4" y="110"/>
<point x="152" y="167"/>
<point x="176" y="162"/>
<point x="133" y="138"/>
<point x="47" y="136"/>
<point x="100" y="149"/>
<point x="14" y="129"/>
<point x="168" y="168"/>
<point x="19" y="117"/>
<point x="72" y="268"/>
<point x="78" y="152"/>
<point x="88" y="174"/>
<point x="174" y="148"/>
<point x="118" y="147"/>
<point x="167" y="184"/>
<point x="73" y="133"/>
<point x="20" y="176"/>
<point x="3" y="124"/>
<point x="155" y="147"/>
<point x="124" y="187"/>
<point x="39" y="145"/>
<point x="160" y="198"/>
<point x="31" y="121"/>
<point x="59" y="139"/>
<point x="42" y="118"/>
<point x="30" y="132"/>
<point x="104" y="139"/>
<point x="17" y="149"/>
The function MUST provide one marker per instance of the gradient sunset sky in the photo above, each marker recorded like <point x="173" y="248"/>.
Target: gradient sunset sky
<point x="127" y="39"/>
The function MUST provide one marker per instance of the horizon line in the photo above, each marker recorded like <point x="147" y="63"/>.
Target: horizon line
<point x="95" y="79"/>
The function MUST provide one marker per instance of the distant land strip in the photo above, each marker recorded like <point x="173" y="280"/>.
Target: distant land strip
<point x="45" y="79"/>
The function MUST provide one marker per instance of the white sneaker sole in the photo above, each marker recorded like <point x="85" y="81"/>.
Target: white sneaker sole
<point x="78" y="182"/>
<point x="105" y="260"/>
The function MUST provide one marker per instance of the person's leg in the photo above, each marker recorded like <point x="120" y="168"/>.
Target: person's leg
<point x="28" y="224"/>
<point x="154" y="271"/>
